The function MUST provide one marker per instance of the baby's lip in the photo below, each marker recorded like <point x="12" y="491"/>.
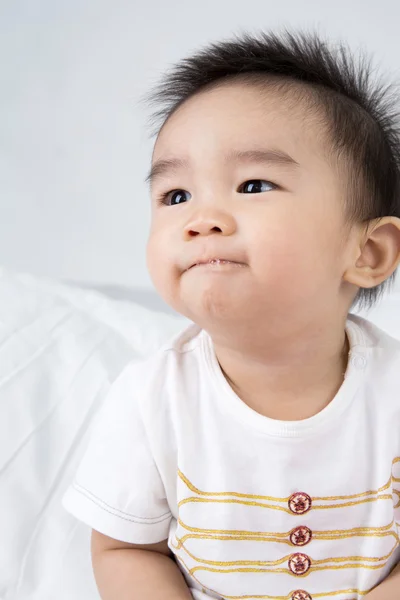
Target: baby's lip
<point x="214" y="260"/>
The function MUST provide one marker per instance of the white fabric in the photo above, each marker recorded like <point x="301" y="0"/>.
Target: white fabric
<point x="176" y="454"/>
<point x="61" y="348"/>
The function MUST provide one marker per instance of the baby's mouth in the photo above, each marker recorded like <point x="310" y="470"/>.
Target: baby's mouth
<point x="216" y="262"/>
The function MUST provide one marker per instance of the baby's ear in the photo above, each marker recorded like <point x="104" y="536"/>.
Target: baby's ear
<point x="379" y="253"/>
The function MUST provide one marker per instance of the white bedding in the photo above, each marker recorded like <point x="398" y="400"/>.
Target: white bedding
<point x="60" y="349"/>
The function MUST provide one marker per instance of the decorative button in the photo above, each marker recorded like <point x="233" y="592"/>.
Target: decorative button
<point x="299" y="563"/>
<point x="301" y="595"/>
<point x="359" y="361"/>
<point x="300" y="536"/>
<point x="299" y="503"/>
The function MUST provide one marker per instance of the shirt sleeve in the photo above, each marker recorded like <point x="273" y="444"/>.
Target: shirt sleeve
<point x="117" y="489"/>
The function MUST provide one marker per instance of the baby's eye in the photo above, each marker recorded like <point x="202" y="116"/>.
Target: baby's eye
<point x="174" y="197"/>
<point x="255" y="186"/>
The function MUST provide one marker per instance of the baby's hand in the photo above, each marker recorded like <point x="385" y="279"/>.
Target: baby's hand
<point x="388" y="589"/>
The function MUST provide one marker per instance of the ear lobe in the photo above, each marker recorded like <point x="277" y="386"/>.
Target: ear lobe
<point x="378" y="256"/>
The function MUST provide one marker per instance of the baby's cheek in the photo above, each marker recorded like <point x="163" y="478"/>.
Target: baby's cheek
<point x="159" y="266"/>
<point x="294" y="265"/>
<point x="284" y="254"/>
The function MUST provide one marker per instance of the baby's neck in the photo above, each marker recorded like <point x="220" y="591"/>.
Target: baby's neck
<point x="292" y="387"/>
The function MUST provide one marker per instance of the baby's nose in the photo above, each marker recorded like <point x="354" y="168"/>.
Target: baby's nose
<point x="211" y="224"/>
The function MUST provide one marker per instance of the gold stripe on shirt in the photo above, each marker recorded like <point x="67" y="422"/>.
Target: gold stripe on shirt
<point x="285" y="509"/>
<point x="284" y="559"/>
<point x="266" y="597"/>
<point x="196" y="490"/>
<point x="283" y="538"/>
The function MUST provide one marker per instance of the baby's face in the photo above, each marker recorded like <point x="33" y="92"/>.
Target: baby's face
<point x="238" y="231"/>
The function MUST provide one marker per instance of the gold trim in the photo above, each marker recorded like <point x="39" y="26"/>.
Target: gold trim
<point x="261" y="536"/>
<point x="288" y="597"/>
<point x="196" y="490"/>
<point x="354" y="530"/>
<point x="287" y="571"/>
<point x="281" y="508"/>
<point x="272" y="563"/>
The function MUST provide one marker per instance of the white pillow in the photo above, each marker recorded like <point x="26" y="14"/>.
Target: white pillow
<point x="60" y="350"/>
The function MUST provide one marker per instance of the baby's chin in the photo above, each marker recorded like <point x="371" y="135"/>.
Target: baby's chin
<point x="211" y="304"/>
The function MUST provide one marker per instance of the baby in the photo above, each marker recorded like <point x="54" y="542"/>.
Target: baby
<point x="257" y="454"/>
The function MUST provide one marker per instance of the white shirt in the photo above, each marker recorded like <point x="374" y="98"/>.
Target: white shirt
<point x="252" y="507"/>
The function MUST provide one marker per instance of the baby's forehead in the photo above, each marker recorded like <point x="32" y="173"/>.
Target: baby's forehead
<point x="282" y="99"/>
<point x="233" y="119"/>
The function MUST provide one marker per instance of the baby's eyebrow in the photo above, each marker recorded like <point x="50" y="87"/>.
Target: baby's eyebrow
<point x="263" y="155"/>
<point x="267" y="156"/>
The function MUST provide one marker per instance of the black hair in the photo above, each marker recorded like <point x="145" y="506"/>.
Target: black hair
<point x="361" y="117"/>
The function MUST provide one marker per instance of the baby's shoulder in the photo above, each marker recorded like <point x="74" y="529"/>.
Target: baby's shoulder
<point x="165" y="369"/>
<point x="375" y="355"/>
<point x="373" y="341"/>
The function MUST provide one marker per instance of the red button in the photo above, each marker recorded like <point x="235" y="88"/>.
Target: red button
<point x="299" y="563"/>
<point x="300" y="536"/>
<point x="301" y="595"/>
<point x="300" y="503"/>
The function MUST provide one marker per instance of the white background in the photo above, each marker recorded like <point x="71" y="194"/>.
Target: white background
<point x="74" y="148"/>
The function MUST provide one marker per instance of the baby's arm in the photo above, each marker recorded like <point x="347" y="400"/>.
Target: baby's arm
<point x="133" y="572"/>
<point x="389" y="589"/>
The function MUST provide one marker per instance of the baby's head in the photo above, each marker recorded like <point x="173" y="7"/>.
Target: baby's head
<point x="275" y="184"/>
